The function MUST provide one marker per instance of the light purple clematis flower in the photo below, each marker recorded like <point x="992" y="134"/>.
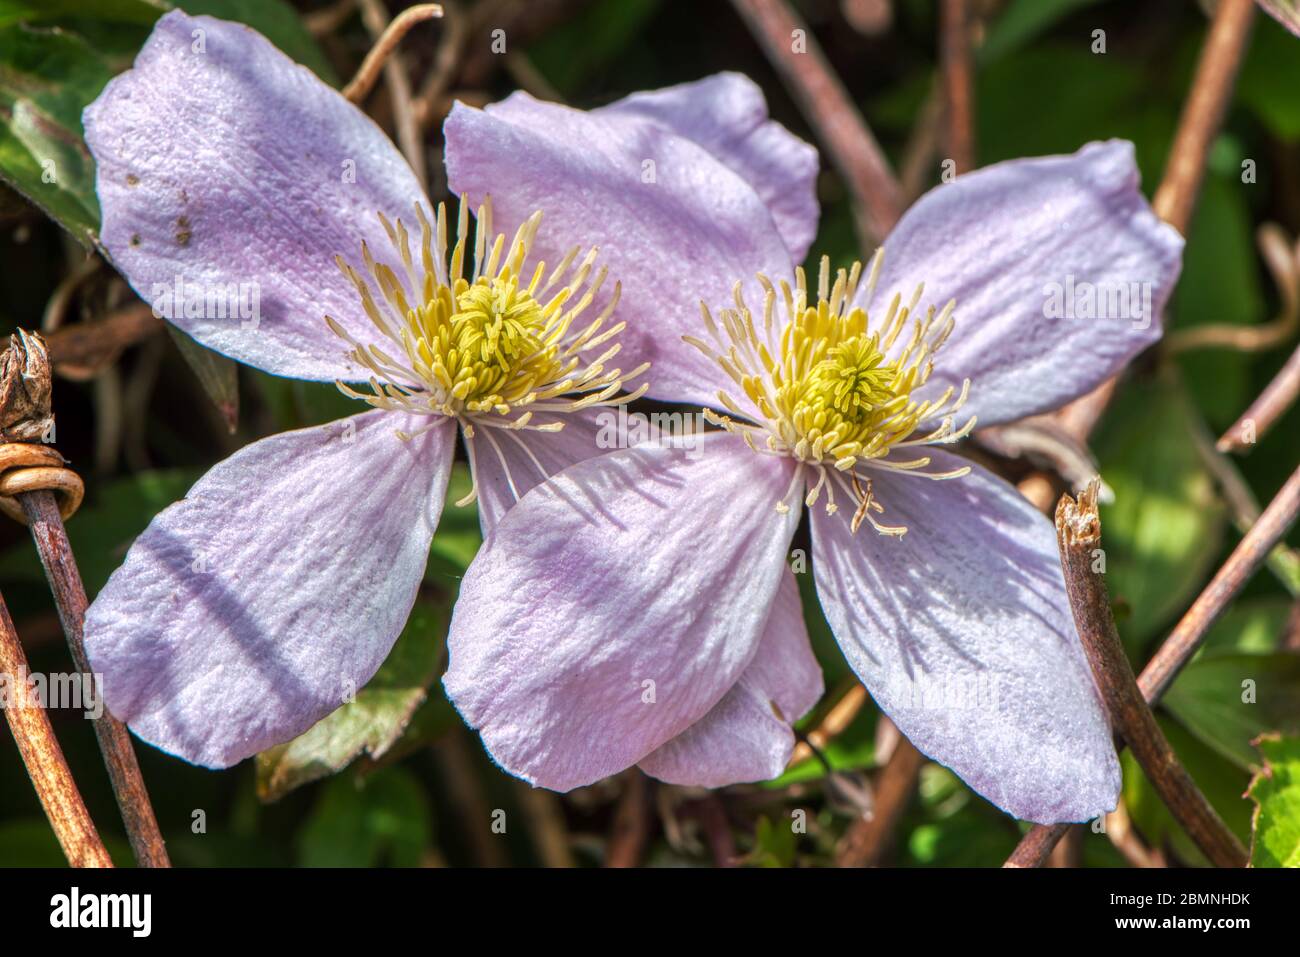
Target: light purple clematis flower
<point x="276" y="588"/>
<point x="637" y="609"/>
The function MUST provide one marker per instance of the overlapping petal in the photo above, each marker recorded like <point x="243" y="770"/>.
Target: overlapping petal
<point x="727" y="115"/>
<point x="1021" y="246"/>
<point x="601" y="619"/>
<point x="221" y="162"/>
<point x="674" y="224"/>
<point x="747" y="735"/>
<point x="258" y="604"/>
<point x="962" y="632"/>
<point x="507" y="463"/>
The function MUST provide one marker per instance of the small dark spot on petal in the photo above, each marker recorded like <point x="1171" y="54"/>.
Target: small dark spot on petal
<point x="132" y="179"/>
<point x="135" y="239"/>
<point x="183" y="231"/>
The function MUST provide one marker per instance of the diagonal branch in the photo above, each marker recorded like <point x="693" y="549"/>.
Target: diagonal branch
<point x="1078" y="535"/>
<point x="44" y="759"/>
<point x="1187" y="635"/>
<point x="51" y="539"/>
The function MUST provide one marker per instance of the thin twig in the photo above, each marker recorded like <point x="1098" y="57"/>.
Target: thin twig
<point x="839" y="717"/>
<point x="45" y="763"/>
<point x="1187" y="635"/>
<point x="868" y="840"/>
<point x="544" y="817"/>
<point x="1078" y="536"/>
<point x="455" y="758"/>
<point x="446" y="63"/>
<point x="51" y="539"/>
<point x="958" y="71"/>
<point x="631" y="828"/>
<point x="712" y="816"/>
<point x="1283" y="560"/>
<point x="1068" y="852"/>
<point x="1036" y="846"/>
<point x="1282" y="257"/>
<point x="1245" y="559"/>
<point x="876" y="194"/>
<point x="323" y="22"/>
<point x="1271" y="404"/>
<point x="1119" y="829"/>
<point x="389" y="35"/>
<point x="1216" y="74"/>
<point x="81" y="350"/>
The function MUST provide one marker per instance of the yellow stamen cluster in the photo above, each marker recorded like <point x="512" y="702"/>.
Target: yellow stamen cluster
<point x="495" y="343"/>
<point x="830" y="387"/>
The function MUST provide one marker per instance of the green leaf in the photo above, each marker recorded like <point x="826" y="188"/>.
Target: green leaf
<point x="381" y="819"/>
<point x="1228" y="700"/>
<point x="1024" y="20"/>
<point x="1275" y="826"/>
<point x="1269" y="78"/>
<point x="371" y="723"/>
<point x="218" y="374"/>
<point x="590" y="40"/>
<point x="1252" y="625"/>
<point x="1163" y="530"/>
<point x="46" y="78"/>
<point x="115" y="11"/>
<point x="774" y="844"/>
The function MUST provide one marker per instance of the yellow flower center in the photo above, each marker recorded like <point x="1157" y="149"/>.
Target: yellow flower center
<point x="829" y="387"/>
<point x="488" y="345"/>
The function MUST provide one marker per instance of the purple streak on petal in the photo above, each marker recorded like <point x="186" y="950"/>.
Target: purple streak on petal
<point x="248" y="611"/>
<point x="997" y="240"/>
<point x="962" y="633"/>
<point x="747" y="736"/>
<point x="644" y="565"/>
<point x="230" y="166"/>
<point x="727" y="115"/>
<point x="548" y="452"/>
<point x="688" y="236"/>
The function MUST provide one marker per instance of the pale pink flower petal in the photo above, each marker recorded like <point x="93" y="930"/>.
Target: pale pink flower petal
<point x="727" y="115"/>
<point x="1003" y="242"/>
<point x="221" y="161"/>
<point x="674" y="225"/>
<point x="747" y="736"/>
<point x="962" y="632"/>
<point x="268" y="596"/>
<point x="599" y="620"/>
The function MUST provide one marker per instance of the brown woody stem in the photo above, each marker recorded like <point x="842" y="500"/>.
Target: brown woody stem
<point x="70" y="597"/>
<point x="44" y="759"/>
<point x="1078" y="536"/>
